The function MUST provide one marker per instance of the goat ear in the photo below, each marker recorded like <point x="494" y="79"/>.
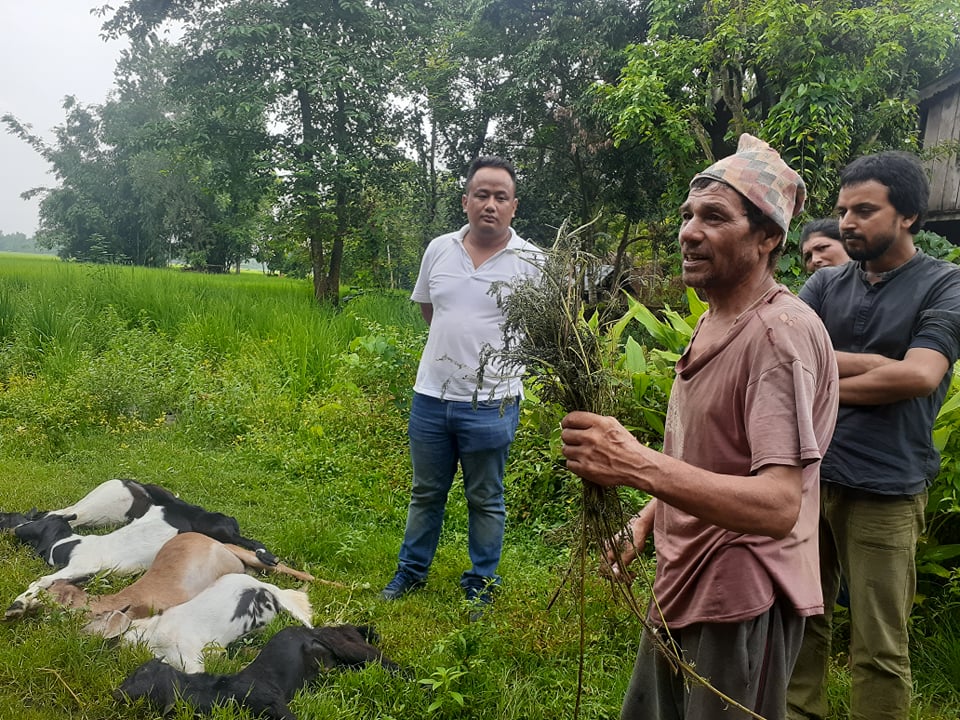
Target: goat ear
<point x="322" y="655"/>
<point x="109" y="625"/>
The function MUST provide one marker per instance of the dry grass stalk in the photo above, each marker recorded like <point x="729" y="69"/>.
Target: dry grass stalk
<point x="571" y="351"/>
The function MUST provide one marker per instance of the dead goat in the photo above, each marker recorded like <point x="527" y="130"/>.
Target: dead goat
<point x="289" y="660"/>
<point x="113" y="502"/>
<point x="125" y="551"/>
<point x="120" y="501"/>
<point x="11" y="520"/>
<point x="185" y="566"/>
<point x="233" y="606"/>
<point x="128" y="549"/>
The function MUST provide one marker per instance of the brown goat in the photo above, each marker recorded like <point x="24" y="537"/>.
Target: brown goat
<point x="186" y="565"/>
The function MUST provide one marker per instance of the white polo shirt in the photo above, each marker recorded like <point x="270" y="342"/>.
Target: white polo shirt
<point x="466" y="317"/>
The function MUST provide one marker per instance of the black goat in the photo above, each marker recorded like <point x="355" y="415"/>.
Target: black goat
<point x="291" y="658"/>
<point x="12" y="520"/>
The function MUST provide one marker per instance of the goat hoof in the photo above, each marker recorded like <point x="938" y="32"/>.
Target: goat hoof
<point x="267" y="557"/>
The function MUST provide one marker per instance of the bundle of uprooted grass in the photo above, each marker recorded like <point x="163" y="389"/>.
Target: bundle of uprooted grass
<point x="552" y="332"/>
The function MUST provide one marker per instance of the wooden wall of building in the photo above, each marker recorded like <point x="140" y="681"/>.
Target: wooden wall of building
<point x="940" y="122"/>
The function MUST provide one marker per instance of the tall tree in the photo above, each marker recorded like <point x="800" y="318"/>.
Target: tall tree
<point x="145" y="178"/>
<point x="549" y="119"/>
<point x="91" y="215"/>
<point x="515" y="78"/>
<point x="324" y="70"/>
<point x="228" y="133"/>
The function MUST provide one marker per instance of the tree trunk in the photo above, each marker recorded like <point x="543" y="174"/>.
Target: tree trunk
<point x="585" y="194"/>
<point x="316" y="262"/>
<point x="331" y="291"/>
<point x="314" y="227"/>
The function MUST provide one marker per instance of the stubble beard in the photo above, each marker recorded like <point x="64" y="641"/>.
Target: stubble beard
<point x="866" y="252"/>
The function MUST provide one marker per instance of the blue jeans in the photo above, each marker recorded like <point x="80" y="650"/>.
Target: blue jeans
<point x="442" y="434"/>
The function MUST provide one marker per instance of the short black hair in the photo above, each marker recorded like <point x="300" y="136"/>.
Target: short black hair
<point x="907" y="186"/>
<point x="492" y="161"/>
<point x="828" y="227"/>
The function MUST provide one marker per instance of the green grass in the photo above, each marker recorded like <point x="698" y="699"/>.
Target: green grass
<point x="241" y="395"/>
<point x="344" y="525"/>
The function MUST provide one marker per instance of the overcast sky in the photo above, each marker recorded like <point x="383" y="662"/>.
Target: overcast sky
<point x="48" y="49"/>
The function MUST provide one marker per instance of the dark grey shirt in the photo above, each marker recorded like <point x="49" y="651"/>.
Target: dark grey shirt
<point x="888" y="449"/>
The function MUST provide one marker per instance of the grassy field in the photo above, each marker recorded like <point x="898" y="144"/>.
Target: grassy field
<point x="241" y="395"/>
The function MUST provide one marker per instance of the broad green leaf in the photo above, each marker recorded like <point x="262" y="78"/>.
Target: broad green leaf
<point x="634" y="360"/>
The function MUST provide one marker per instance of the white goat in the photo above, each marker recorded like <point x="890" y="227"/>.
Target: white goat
<point x="185" y="566"/>
<point x="233" y="606"/>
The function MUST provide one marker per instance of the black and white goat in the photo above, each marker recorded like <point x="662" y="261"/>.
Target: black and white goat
<point x="186" y="565"/>
<point x="290" y="659"/>
<point x="128" y="549"/>
<point x="113" y="502"/>
<point x="236" y="604"/>
<point x="125" y="551"/>
<point x="121" y="501"/>
<point x="193" y="518"/>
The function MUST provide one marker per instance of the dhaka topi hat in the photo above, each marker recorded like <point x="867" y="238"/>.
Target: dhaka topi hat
<point x="758" y="173"/>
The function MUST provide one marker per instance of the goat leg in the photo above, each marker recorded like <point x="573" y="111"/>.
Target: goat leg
<point x="252" y="560"/>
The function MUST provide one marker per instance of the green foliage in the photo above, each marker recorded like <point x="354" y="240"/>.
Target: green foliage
<point x="144" y="179"/>
<point x="322" y="73"/>
<point x="330" y="139"/>
<point x="7" y="314"/>
<point x="19" y="243"/>
<point x="672" y="332"/>
<point x="382" y="360"/>
<point x="936" y="644"/>
<point x="822" y="82"/>
<point x="93" y="348"/>
<point x="441" y="683"/>
<point x="936" y="246"/>
<point x="817" y="119"/>
<point x="938" y="559"/>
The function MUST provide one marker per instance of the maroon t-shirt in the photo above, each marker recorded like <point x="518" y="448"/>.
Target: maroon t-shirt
<point x="765" y="394"/>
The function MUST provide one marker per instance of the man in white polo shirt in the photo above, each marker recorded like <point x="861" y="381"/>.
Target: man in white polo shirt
<point x="456" y="417"/>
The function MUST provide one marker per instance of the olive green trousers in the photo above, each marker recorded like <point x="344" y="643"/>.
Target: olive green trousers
<point x="871" y="540"/>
